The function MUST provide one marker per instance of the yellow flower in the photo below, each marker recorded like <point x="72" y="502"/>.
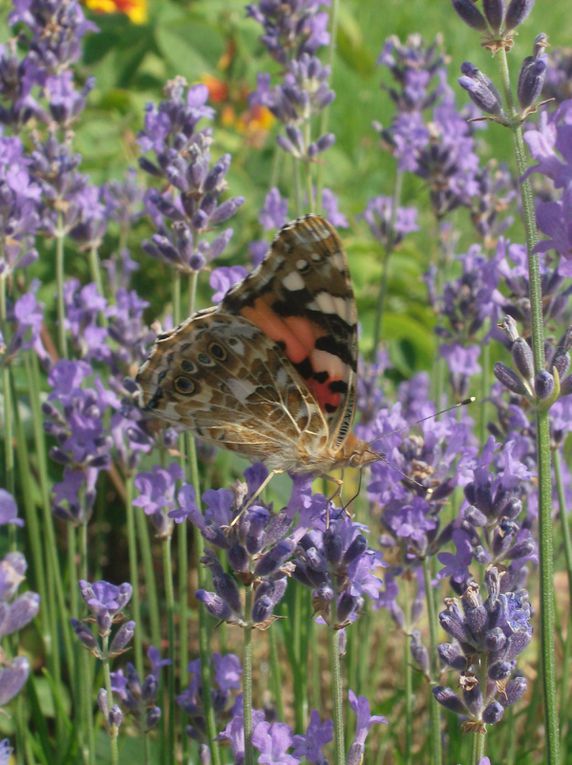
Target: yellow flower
<point x="135" y="9"/>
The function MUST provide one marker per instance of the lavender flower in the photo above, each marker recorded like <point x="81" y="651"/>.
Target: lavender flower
<point x="488" y="636"/>
<point x="335" y="562"/>
<point x="379" y="216"/>
<point x="19" y="611"/>
<point x="138" y="697"/>
<point x="364" y="722"/>
<point x="74" y="416"/>
<point x="106" y="602"/>
<point x="157" y="496"/>
<point x="191" y="205"/>
<point x="9" y="510"/>
<point x="291" y="29"/>
<point x="227" y="673"/>
<point x="310" y="745"/>
<point x="414" y="67"/>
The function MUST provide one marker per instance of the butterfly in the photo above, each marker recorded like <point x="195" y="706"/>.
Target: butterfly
<point x="271" y="371"/>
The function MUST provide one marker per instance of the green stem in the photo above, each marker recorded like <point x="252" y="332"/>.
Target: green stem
<point x="9" y="472"/>
<point x="325" y="116"/>
<point x="247" y="680"/>
<point x="149" y="571"/>
<point x="547" y="613"/>
<point x="408" y="674"/>
<point x="382" y="294"/>
<point x="276" y="673"/>
<point x="337" y="699"/>
<point x="61" y="309"/>
<point x="434" y="708"/>
<point x="134" y="573"/>
<point x="478" y="748"/>
<point x="87" y="742"/>
<point x="95" y="269"/>
<point x="204" y="638"/>
<point x="567" y="541"/>
<point x="170" y="602"/>
<point x="112" y="729"/>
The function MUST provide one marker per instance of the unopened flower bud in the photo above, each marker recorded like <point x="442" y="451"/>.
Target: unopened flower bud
<point x="494" y="12"/>
<point x="85" y="635"/>
<point x="449" y="699"/>
<point x="214" y="604"/>
<point x="419" y="653"/>
<point x="452" y="656"/>
<point x="470" y="14"/>
<point x="523" y="359"/>
<point x="543" y="384"/>
<point x="514" y="690"/>
<point x="480" y="89"/>
<point x="493" y="713"/>
<point x="531" y="80"/>
<point x="540" y="44"/>
<point x="122" y="637"/>
<point x="566" y="386"/>
<point x="333" y="546"/>
<point x="509" y="379"/>
<point x="516" y="13"/>
<point x="152" y="717"/>
<point x="355" y="549"/>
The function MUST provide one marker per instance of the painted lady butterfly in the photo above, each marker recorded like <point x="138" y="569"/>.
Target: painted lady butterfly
<point x="271" y="371"/>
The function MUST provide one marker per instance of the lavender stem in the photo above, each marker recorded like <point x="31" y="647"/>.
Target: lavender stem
<point x="247" y="680"/>
<point x="133" y="568"/>
<point x="170" y="602"/>
<point x="547" y="613"/>
<point x="62" y="338"/>
<point x="336" y="672"/>
<point x="434" y="709"/>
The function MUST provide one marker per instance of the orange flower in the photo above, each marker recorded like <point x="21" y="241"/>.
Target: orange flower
<point x="135" y="9"/>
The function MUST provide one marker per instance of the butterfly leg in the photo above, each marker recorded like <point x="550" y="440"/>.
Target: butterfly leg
<point x="255" y="496"/>
<point x="339" y="482"/>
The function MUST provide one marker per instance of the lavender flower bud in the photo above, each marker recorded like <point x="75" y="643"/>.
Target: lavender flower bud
<point x="470" y="14"/>
<point x="517" y="11"/>
<point x="115" y="716"/>
<point x="355" y="549"/>
<point x="85" y="635"/>
<point x="531" y="80"/>
<point x="271" y="562"/>
<point x="493" y="713"/>
<point x="347" y="604"/>
<point x="419" y="653"/>
<point x="495" y="640"/>
<point x="566" y="386"/>
<point x="449" y="699"/>
<point x="122" y="638"/>
<point x="514" y="690"/>
<point x="262" y="609"/>
<point x="543" y="385"/>
<point x="480" y="89"/>
<point x="523" y="358"/>
<point x="509" y="379"/>
<point x="513" y="508"/>
<point x="238" y="558"/>
<point x="494" y="12"/>
<point x="472" y="693"/>
<point x="452" y="656"/>
<point x="226" y="588"/>
<point x="500" y="670"/>
<point x="333" y="546"/>
<point x="102" y="703"/>
<point x="561" y="362"/>
<point x="452" y="622"/>
<point x="214" y="604"/>
<point x="152" y="717"/>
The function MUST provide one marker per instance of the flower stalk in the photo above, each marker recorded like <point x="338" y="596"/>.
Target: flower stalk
<point x="546" y="546"/>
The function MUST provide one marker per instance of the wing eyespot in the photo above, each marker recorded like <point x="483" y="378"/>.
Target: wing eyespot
<point x="205" y="359"/>
<point x="184" y="385"/>
<point x="218" y="352"/>
<point x="188" y="366"/>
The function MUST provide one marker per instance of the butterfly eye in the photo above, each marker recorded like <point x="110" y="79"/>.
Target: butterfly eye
<point x="217" y="351"/>
<point x="184" y="385"/>
<point x="188" y="366"/>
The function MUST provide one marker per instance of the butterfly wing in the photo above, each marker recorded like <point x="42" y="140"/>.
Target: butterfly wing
<point x="222" y="377"/>
<point x="301" y="298"/>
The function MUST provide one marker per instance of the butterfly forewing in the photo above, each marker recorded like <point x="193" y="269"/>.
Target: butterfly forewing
<point x="301" y="297"/>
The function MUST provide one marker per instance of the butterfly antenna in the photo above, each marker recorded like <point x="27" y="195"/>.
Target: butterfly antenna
<point x="464" y="402"/>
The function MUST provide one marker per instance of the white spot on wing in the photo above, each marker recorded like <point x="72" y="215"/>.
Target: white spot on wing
<point x="240" y="389"/>
<point x="323" y="361"/>
<point x="293" y="281"/>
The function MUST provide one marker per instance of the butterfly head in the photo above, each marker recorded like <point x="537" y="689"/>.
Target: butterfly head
<point x="356" y="453"/>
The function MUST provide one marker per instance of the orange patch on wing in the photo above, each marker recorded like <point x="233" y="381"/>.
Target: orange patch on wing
<point x="323" y="395"/>
<point x="298" y="334"/>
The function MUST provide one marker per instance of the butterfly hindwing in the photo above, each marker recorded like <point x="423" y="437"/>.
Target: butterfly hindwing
<point x="220" y="376"/>
<point x="301" y="297"/>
